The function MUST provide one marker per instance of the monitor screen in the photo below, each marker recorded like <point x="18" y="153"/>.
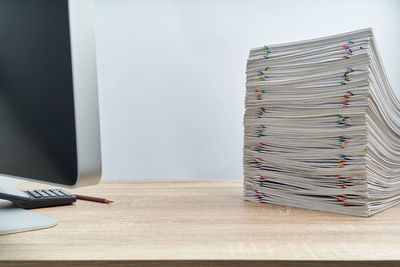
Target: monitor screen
<point x="37" y="136"/>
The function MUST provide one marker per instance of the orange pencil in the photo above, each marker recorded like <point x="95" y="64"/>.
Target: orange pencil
<point x="94" y="199"/>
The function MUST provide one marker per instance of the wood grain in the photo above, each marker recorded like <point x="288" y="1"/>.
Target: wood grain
<point x="206" y="220"/>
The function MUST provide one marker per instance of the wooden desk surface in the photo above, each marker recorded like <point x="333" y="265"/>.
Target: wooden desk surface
<point x="198" y="220"/>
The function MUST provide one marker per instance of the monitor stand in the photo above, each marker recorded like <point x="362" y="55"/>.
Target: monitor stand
<point x="15" y="220"/>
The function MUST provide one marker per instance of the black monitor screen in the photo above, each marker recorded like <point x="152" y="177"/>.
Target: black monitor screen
<point x="37" y="134"/>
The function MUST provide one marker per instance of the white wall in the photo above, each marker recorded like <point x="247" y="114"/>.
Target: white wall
<point x="172" y="82"/>
<point x="172" y="77"/>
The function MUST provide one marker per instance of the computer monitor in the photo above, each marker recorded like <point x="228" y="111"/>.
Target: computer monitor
<point x="49" y="112"/>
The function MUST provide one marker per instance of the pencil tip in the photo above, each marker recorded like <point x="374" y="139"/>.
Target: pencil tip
<point x="109" y="201"/>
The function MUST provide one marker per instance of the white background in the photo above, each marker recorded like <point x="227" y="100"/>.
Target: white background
<point x="172" y="81"/>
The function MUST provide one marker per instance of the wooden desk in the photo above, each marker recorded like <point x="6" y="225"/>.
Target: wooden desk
<point x="203" y="222"/>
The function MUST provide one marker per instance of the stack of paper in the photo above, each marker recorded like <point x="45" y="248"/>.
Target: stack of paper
<point x="322" y="126"/>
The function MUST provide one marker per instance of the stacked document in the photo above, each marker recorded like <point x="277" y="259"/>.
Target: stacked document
<point x="322" y="126"/>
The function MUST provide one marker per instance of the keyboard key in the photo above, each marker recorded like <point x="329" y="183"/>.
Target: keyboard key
<point x="38" y="192"/>
<point x="50" y="193"/>
<point x="55" y="191"/>
<point x="44" y="193"/>
<point x="65" y="193"/>
<point x="34" y="194"/>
